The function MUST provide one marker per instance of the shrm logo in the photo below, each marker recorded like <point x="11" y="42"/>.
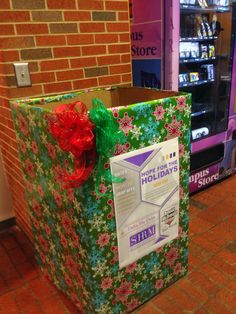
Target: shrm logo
<point x="142" y="235"/>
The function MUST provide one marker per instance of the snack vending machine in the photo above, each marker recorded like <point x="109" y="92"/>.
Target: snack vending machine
<point x="189" y="45"/>
<point x="206" y="50"/>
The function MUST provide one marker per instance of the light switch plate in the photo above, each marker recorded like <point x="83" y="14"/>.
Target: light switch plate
<point x="22" y="74"/>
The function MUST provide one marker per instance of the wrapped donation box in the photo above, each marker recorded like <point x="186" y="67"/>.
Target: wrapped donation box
<point x="106" y="176"/>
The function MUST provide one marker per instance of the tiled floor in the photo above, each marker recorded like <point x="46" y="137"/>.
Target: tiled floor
<point x="210" y="286"/>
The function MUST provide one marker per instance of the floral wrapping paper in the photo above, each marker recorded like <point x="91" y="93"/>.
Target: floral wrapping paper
<point x="75" y="230"/>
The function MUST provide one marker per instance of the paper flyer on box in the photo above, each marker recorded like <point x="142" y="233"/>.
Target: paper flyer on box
<point x="147" y="202"/>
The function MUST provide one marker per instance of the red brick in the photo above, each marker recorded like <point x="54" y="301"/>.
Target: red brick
<point x="214" y="306"/>
<point x="124" y="38"/>
<point x="13" y="280"/>
<point x="53" y="305"/>
<point x="121" y="48"/>
<point x="126" y="78"/>
<point x="80" y="39"/>
<point x="193" y="291"/>
<point x="14" y="152"/>
<point x="5" y="110"/>
<point x="3" y="288"/>
<point x="93" y="50"/>
<point x="7" y="131"/>
<point x="61" y="4"/>
<point x="4" y="92"/>
<point x="57" y="87"/>
<point x="200" y="280"/>
<point x="4" y="68"/>
<point x="25" y="29"/>
<point x="7" y="301"/>
<point x="40" y="288"/>
<point x="25" y="91"/>
<point x="107" y="60"/>
<point x="90" y="5"/>
<point x="194" y="261"/>
<point x="225" y="297"/>
<point x="126" y="58"/>
<point x="3" y="81"/>
<point x="43" y="77"/>
<point x="231" y="286"/>
<point x="117" y="5"/>
<point x="199" y="226"/>
<point x="17" y="42"/>
<point x="229" y="270"/>
<point x="109" y="80"/>
<point x="54" y="40"/>
<point x="28" y="4"/>
<point x="123" y="16"/>
<point x="5" y="4"/>
<point x="216" y="215"/>
<point x="201" y="311"/>
<point x="214" y="274"/>
<point x="66" y="52"/>
<point x="8" y="242"/>
<point x="7" y="29"/>
<point x="17" y="256"/>
<point x="85" y="83"/>
<point x="92" y="27"/>
<point x="106" y="38"/>
<point x="198" y="251"/>
<point x="77" y="16"/>
<point x="220" y="237"/>
<point x="10" y="55"/>
<point x="17" y="16"/>
<point x="165" y="305"/>
<point x="120" y="69"/>
<point x="24" y="296"/>
<point x="228" y="257"/>
<point x="183" y="300"/>
<point x="205" y="244"/>
<point x="83" y="62"/>
<point x="14" y="163"/>
<point x="227" y="226"/>
<point x="148" y="308"/>
<point x="54" y="65"/>
<point x="69" y="75"/>
<point x="117" y="27"/>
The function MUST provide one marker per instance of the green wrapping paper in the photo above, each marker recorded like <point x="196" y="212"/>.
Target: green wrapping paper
<point x="75" y="229"/>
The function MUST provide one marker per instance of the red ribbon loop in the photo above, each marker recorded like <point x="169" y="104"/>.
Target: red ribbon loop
<point x="71" y="127"/>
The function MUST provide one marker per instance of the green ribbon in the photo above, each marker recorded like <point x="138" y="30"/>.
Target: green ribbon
<point x="107" y="136"/>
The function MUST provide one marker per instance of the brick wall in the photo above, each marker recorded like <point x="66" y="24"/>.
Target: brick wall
<point x="70" y="45"/>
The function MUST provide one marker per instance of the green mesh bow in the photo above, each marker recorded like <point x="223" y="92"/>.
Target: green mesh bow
<point x="107" y="136"/>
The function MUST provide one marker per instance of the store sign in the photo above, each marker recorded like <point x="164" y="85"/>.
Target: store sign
<point x="146" y="41"/>
<point x="203" y="178"/>
<point x="147" y="202"/>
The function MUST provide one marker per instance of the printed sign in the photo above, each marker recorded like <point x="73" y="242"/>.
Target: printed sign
<point x="147" y="202"/>
<point x="200" y="179"/>
<point x="146" y="41"/>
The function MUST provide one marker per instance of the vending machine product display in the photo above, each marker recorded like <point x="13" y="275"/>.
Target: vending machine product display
<point x="206" y="38"/>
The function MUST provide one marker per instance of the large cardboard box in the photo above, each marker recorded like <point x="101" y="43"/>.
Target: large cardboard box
<point x="75" y="233"/>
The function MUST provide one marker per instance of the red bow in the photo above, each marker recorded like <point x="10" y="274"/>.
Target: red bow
<point x="71" y="127"/>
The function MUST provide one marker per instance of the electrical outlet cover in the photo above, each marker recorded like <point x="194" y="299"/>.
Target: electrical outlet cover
<point x="22" y="74"/>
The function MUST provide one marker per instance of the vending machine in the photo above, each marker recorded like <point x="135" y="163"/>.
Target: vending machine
<point x="198" y="55"/>
<point x="206" y="50"/>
